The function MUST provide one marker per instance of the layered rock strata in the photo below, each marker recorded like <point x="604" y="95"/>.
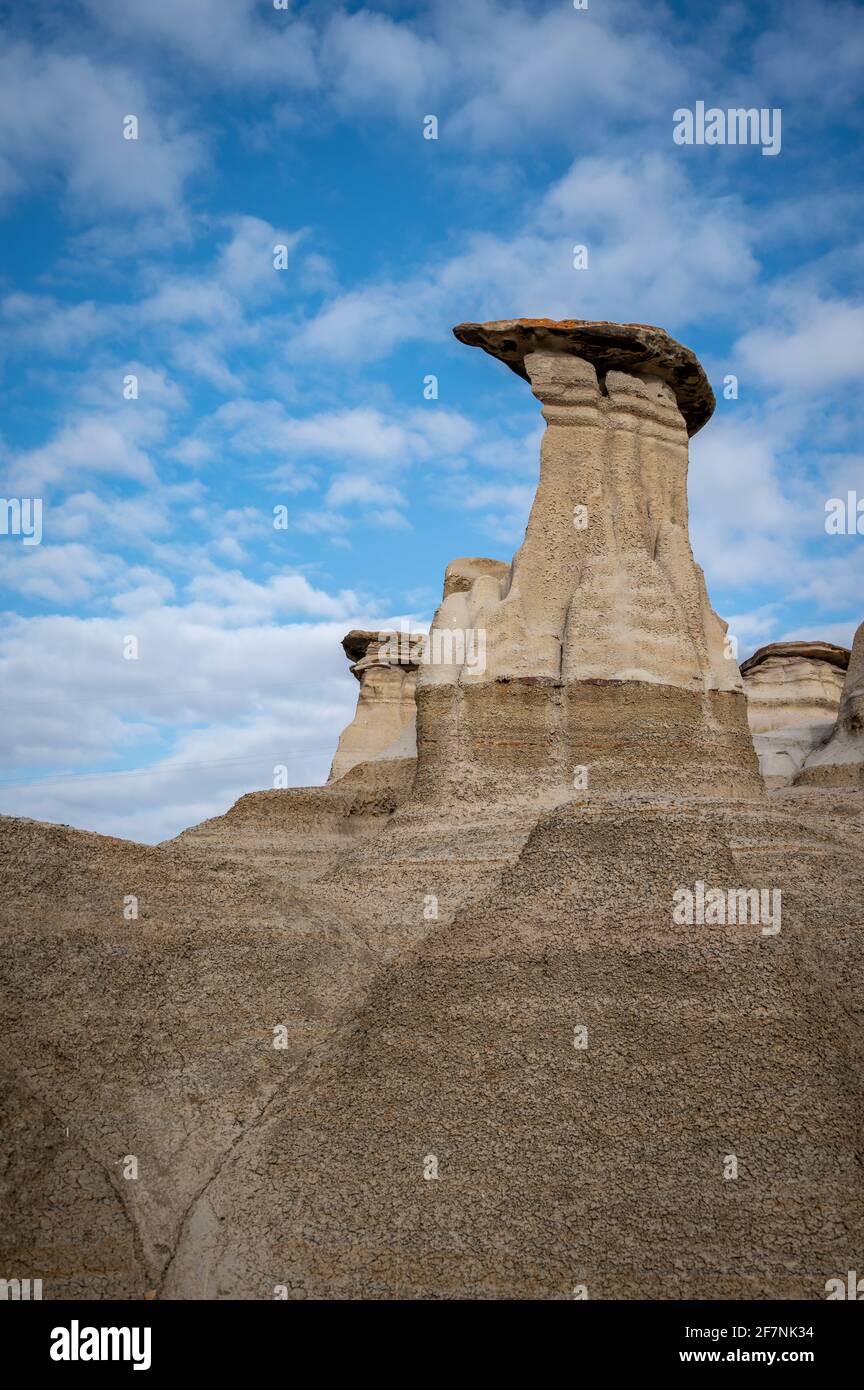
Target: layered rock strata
<point x="141" y="988"/>
<point x="600" y="647"/>
<point x="297" y="833"/>
<point x="384" y="721"/>
<point x="793" y="696"/>
<point x="564" y="1089"/>
<point x="435" y="1030"/>
<point x="840" y="762"/>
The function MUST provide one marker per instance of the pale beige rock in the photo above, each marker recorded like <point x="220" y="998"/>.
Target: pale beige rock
<point x="384" y="720"/>
<point x="461" y="574"/>
<point x="604" y="606"/>
<point x="793" y="695"/>
<point x="840" y="762"/>
<point x="620" y="598"/>
<point x="431" y="935"/>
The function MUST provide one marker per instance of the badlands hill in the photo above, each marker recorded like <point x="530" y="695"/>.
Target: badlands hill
<point x="544" y="991"/>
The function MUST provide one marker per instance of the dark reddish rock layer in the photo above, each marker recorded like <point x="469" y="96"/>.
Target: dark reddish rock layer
<point x="624" y="347"/>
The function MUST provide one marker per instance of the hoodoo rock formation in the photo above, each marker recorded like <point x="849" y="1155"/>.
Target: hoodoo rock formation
<point x="447" y="1027"/>
<point x="384" y="722"/>
<point x="793" y="696"/>
<point x="544" y="1091"/>
<point x="602" y="649"/>
<point x="840" y="762"/>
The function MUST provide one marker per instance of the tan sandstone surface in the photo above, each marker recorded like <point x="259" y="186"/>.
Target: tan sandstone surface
<point x="384" y="721"/>
<point x="793" y="697"/>
<point x="840" y="761"/>
<point x="601" y="644"/>
<point x="510" y="1069"/>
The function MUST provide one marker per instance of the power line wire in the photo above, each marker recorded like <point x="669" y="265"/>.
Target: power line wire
<point x="157" y="771"/>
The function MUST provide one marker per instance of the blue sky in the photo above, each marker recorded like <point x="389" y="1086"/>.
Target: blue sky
<point x="303" y="387"/>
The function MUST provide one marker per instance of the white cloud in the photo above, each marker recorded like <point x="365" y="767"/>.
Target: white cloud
<point x="496" y="75"/>
<point x="235" y="43"/>
<point x="361" y="433"/>
<point x="87" y="444"/>
<point x="43" y="323"/>
<point x="189" y="300"/>
<point x="228" y="597"/>
<point x="840" y="633"/>
<point x="505" y="508"/>
<point x="372" y="61"/>
<point x="62" y="574"/>
<point x="355" y="487"/>
<point x="812" y="345"/>
<point x="757" y="515"/>
<point x="156" y="390"/>
<point x="203" y="715"/>
<point x="364" y="323"/>
<point x="110" y="520"/>
<point x="753" y="628"/>
<point x="519" y="74"/>
<point x="323" y="522"/>
<point x="195" y="319"/>
<point x="689" y="252"/>
<point x="62" y="114"/>
<point x="810" y="50"/>
<point x="150" y="590"/>
<point x="740" y="543"/>
<point x="389" y="517"/>
<point x="245" y="262"/>
<point x="206" y="771"/>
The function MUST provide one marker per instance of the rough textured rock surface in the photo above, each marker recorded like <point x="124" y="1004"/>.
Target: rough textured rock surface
<point x="601" y="647"/>
<point x="149" y="1036"/>
<point x="460" y="574"/>
<point x="628" y="347"/>
<point x="793" y="696"/>
<point x="840" y="762"/>
<point x="384" y="721"/>
<point x="299" y="832"/>
<point x="505" y="1068"/>
<point x="604" y="1164"/>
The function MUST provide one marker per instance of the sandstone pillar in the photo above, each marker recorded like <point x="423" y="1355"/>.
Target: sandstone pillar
<point x="383" y="723"/>
<point x="793" y="696"/>
<point x="840" y="762"/>
<point x="602" y="650"/>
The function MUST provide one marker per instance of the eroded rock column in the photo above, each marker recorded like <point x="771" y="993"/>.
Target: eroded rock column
<point x="383" y="723"/>
<point x="602" y="651"/>
<point x="793" y="697"/>
<point x="840" y="762"/>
